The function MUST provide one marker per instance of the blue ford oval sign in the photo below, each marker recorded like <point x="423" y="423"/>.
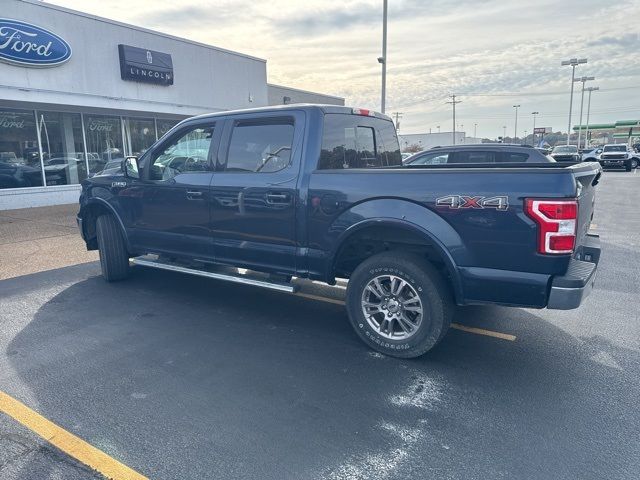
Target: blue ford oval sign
<point x="31" y="46"/>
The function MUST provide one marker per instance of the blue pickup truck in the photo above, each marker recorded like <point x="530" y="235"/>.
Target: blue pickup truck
<point x="320" y="193"/>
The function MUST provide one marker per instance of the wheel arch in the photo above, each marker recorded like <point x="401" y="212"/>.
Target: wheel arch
<point x="388" y="233"/>
<point x="90" y="213"/>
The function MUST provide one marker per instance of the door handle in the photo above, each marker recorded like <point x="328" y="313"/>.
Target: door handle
<point x="278" y="198"/>
<point x="194" y="195"/>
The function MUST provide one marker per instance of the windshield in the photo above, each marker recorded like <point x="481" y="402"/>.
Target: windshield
<point x="565" y="149"/>
<point x="615" y="148"/>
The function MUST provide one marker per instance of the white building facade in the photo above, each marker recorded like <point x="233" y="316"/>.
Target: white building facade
<point x="78" y="92"/>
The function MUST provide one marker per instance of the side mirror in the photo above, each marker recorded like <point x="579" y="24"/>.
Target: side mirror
<point x="130" y="167"/>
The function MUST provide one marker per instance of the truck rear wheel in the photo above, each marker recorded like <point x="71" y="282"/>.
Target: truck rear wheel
<point x="399" y="304"/>
<point x="114" y="258"/>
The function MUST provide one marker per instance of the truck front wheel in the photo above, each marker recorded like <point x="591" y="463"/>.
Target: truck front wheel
<point x="399" y="304"/>
<point x="114" y="258"/>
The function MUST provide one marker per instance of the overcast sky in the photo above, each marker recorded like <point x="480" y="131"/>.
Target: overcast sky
<point x="493" y="53"/>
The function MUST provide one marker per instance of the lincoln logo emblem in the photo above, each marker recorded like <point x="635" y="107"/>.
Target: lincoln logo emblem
<point x="149" y="57"/>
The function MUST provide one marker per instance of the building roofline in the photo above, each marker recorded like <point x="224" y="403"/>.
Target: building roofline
<point x="78" y="13"/>
<point x="304" y="91"/>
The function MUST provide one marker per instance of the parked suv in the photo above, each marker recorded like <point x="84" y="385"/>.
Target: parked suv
<point x="479" y="153"/>
<point x="566" y="153"/>
<point x="618" y="156"/>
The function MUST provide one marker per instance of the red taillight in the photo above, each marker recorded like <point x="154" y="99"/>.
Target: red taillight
<point x="557" y="221"/>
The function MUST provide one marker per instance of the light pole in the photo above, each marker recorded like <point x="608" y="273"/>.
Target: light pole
<point x="453" y="103"/>
<point x="525" y="138"/>
<point x="586" y="135"/>
<point x="504" y="133"/>
<point x="383" y="59"/>
<point x="438" y="127"/>
<point x="534" y="127"/>
<point x="583" y="80"/>
<point x="475" y="128"/>
<point x="574" y="62"/>
<point x="515" y="130"/>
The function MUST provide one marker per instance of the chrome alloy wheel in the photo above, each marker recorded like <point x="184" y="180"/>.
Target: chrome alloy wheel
<point x="392" y="307"/>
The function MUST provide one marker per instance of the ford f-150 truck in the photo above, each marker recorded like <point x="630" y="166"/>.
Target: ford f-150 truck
<point x="320" y="193"/>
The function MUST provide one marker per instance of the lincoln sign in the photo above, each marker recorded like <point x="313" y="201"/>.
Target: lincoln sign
<point x="148" y="66"/>
<point x="28" y="45"/>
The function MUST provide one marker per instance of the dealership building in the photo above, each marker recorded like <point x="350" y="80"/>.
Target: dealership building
<point x="80" y="92"/>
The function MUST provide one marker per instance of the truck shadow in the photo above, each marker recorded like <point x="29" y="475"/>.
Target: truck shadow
<point x="166" y="370"/>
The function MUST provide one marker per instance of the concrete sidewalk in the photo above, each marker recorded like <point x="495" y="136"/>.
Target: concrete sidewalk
<point x="37" y="239"/>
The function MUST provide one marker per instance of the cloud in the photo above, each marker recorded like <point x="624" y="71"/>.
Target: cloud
<point x="473" y="48"/>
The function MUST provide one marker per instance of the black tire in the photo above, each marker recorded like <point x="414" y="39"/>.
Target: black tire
<point x="627" y="166"/>
<point x="425" y="281"/>
<point x="114" y="258"/>
<point x="634" y="163"/>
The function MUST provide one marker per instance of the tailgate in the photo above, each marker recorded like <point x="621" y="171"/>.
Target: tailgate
<point x="587" y="176"/>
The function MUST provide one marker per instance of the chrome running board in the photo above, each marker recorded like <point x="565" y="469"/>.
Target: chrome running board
<point x="246" y="279"/>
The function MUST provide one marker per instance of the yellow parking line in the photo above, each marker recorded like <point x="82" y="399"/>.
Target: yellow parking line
<point x="67" y="442"/>
<point x="457" y="326"/>
<point x="482" y="331"/>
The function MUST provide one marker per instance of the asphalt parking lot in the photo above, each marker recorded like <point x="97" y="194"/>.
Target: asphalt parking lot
<point x="180" y="377"/>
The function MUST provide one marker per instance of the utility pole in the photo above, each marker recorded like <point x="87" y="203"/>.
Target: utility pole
<point x="534" y="127"/>
<point x="583" y="80"/>
<point x="586" y="135"/>
<point x="574" y="62"/>
<point x="453" y="103"/>
<point x="398" y="116"/>
<point x="383" y="59"/>
<point x="515" y="129"/>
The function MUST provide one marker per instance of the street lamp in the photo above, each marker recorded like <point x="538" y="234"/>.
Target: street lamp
<point x="586" y="134"/>
<point x="515" y="130"/>
<point x="583" y="80"/>
<point x="383" y="59"/>
<point x="525" y="137"/>
<point x="534" y="127"/>
<point x="574" y="62"/>
<point x="475" y="127"/>
<point x="504" y="133"/>
<point x="438" y="127"/>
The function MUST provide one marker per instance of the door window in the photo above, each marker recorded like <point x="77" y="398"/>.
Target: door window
<point x="62" y="147"/>
<point x="188" y="152"/>
<point x="260" y="146"/>
<point x="435" y="158"/>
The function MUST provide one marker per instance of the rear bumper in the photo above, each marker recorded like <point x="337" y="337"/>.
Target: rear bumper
<point x="569" y="290"/>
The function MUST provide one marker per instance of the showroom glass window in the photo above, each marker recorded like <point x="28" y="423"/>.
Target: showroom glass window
<point x="19" y="152"/>
<point x="104" y="141"/>
<point x="165" y="125"/>
<point x="62" y="147"/>
<point x="140" y="133"/>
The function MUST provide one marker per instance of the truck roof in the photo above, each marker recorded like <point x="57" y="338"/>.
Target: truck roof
<point x="298" y="106"/>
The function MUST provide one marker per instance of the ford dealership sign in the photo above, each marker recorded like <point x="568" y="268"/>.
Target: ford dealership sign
<point x="31" y="46"/>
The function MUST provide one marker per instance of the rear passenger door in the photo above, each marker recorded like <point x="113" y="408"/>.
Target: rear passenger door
<point x="253" y="195"/>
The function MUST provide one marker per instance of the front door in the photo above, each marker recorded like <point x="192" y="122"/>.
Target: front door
<point x="171" y="201"/>
<point x="253" y="197"/>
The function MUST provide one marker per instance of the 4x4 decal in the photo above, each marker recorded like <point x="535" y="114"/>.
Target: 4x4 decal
<point x="467" y="201"/>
